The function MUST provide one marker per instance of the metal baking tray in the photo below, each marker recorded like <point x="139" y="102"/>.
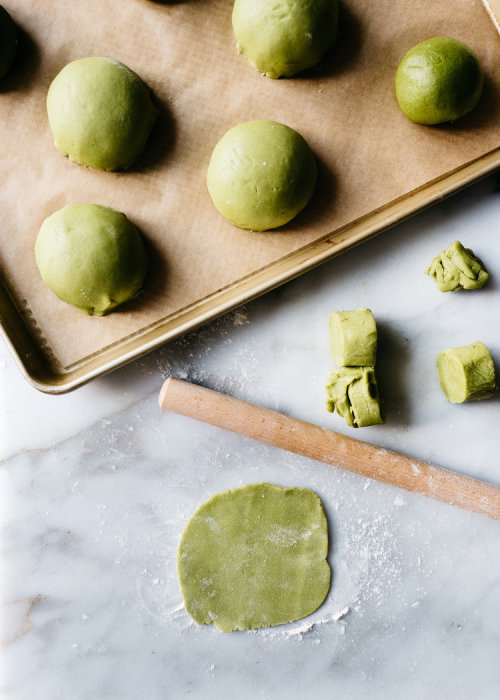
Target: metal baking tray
<point x="46" y="373"/>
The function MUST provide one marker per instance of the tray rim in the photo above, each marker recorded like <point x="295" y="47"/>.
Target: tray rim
<point x="45" y="375"/>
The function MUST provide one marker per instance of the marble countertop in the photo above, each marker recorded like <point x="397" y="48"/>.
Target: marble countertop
<point x="97" y="486"/>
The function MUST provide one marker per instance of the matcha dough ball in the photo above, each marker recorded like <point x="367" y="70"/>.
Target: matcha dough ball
<point x="439" y="80"/>
<point x="353" y="338"/>
<point x="8" y="42"/>
<point x="261" y="175"/>
<point x="284" y="37"/>
<point x="466" y="373"/>
<point x="100" y="113"/>
<point x="457" y="267"/>
<point x="353" y="393"/>
<point x="91" y="256"/>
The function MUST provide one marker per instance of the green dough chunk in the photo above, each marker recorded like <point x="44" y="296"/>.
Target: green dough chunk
<point x="8" y="42"/>
<point x="457" y="268"/>
<point x="255" y="557"/>
<point x="466" y="373"/>
<point x="261" y="174"/>
<point x="91" y="256"/>
<point x="353" y="338"/>
<point x="439" y="80"/>
<point x="100" y="113"/>
<point x="283" y="37"/>
<point x="353" y="393"/>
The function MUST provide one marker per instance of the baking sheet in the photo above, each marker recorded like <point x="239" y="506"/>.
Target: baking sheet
<point x="368" y="153"/>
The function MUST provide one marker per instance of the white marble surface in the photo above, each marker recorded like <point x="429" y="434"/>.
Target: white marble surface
<point x="97" y="486"/>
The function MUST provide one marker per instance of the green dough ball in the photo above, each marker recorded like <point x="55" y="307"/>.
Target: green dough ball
<point x="353" y="393"/>
<point x="284" y="37"/>
<point x="466" y="373"/>
<point x="457" y="267"/>
<point x="261" y="175"/>
<point x="439" y="80"/>
<point x="91" y="256"/>
<point x="100" y="113"/>
<point x="8" y="42"/>
<point x="353" y="338"/>
<point x="255" y="557"/>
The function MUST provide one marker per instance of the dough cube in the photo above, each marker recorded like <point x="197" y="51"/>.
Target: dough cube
<point x="466" y="373"/>
<point x="353" y="338"/>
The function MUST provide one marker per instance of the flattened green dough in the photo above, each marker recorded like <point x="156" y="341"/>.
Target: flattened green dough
<point x="466" y="373"/>
<point x="255" y="557"/>
<point x="457" y="267"/>
<point x="353" y="393"/>
<point x="353" y="338"/>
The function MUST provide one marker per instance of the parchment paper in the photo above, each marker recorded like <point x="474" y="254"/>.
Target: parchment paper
<point x="369" y="153"/>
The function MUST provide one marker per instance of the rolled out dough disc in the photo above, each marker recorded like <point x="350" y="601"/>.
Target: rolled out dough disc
<point x="254" y="557"/>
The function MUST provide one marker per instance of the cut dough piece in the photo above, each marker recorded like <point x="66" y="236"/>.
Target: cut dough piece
<point x="100" y="113"/>
<point x="353" y="338"/>
<point x="254" y="557"/>
<point x="466" y="373"/>
<point x="353" y="393"/>
<point x="91" y="256"/>
<point x="457" y="267"/>
<point x="261" y="174"/>
<point x="284" y="37"/>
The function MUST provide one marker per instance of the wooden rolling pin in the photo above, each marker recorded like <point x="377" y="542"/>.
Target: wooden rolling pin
<point x="333" y="448"/>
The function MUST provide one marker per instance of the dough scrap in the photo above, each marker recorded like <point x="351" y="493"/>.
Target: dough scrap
<point x="100" y="113"/>
<point x="353" y="393"/>
<point x="91" y="256"/>
<point x="255" y="557"/>
<point x="457" y="267"/>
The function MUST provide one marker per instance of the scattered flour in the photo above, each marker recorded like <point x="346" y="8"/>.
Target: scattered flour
<point x="339" y="615"/>
<point x="240" y="318"/>
<point x="365" y="555"/>
<point x="365" y="558"/>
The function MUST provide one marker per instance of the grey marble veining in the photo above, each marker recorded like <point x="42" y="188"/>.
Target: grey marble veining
<point x="97" y="486"/>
